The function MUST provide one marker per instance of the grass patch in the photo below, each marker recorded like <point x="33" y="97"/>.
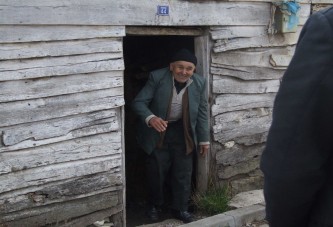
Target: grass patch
<point x="214" y="201"/>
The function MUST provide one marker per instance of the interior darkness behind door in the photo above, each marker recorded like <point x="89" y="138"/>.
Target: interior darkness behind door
<point x="142" y="54"/>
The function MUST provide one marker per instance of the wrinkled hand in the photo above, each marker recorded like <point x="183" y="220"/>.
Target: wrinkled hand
<point x="204" y="149"/>
<point x="158" y="124"/>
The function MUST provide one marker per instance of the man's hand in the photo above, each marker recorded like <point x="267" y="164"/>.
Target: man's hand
<point x="158" y="124"/>
<point x="204" y="149"/>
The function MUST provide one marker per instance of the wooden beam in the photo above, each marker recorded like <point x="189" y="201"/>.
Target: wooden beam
<point x="59" y="48"/>
<point x="59" y="66"/>
<point x="246" y="73"/>
<point x="257" y="41"/>
<point x="57" y="172"/>
<point x="129" y="12"/>
<point x="233" y="102"/>
<point x="19" y="112"/>
<point x="256" y="58"/>
<point x="180" y="31"/>
<point x="59" y="213"/>
<point x="231" y="85"/>
<point x="71" y="150"/>
<point x="239" y="168"/>
<point x="322" y="2"/>
<point x="231" y="125"/>
<point x="35" y="33"/>
<point x="45" y="87"/>
<point x="64" y="190"/>
<point x="237" y="154"/>
<point x="56" y="130"/>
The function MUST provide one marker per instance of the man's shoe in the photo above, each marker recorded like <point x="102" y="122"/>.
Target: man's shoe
<point x="152" y="213"/>
<point x="184" y="216"/>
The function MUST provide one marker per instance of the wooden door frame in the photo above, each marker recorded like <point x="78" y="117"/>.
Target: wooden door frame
<point x="202" y="51"/>
<point x="202" y="47"/>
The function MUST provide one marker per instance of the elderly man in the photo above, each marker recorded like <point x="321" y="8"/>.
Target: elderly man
<point x="173" y="112"/>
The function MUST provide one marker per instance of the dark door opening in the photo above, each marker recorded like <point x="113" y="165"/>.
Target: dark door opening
<point x="142" y="54"/>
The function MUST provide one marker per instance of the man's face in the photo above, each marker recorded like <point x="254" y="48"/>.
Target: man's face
<point x="182" y="70"/>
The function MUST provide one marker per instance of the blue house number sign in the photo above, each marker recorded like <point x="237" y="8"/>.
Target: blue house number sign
<point x="163" y="10"/>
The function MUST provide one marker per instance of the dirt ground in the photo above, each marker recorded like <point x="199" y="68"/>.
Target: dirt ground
<point x="136" y="217"/>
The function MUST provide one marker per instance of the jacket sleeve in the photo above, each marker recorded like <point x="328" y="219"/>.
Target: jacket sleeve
<point x="202" y="127"/>
<point x="295" y="156"/>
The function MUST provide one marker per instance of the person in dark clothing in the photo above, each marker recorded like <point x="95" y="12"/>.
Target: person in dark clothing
<point x="173" y="112"/>
<point x="298" y="159"/>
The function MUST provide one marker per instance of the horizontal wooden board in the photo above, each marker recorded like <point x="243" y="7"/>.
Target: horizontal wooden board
<point x="57" y="213"/>
<point x="231" y="125"/>
<point x="59" y="66"/>
<point x="40" y="109"/>
<point x="329" y="2"/>
<point x="242" y="31"/>
<point x="246" y="73"/>
<point x="12" y="65"/>
<point x="144" y="12"/>
<point x="299" y="1"/>
<point x="35" y="33"/>
<point x="91" y="218"/>
<point x="230" y="32"/>
<point x="65" y="190"/>
<point x="239" y="168"/>
<point x="59" y="48"/>
<point x="258" y="58"/>
<point x="60" y="85"/>
<point x="232" y="102"/>
<point x="280" y="60"/>
<point x="250" y="140"/>
<point x="253" y="126"/>
<point x="86" y="131"/>
<point x="57" y="172"/>
<point x="255" y="42"/>
<point x="237" y="154"/>
<point x="317" y="7"/>
<point x="235" y="119"/>
<point x="71" y="150"/>
<point x="60" y="129"/>
<point x="177" y="31"/>
<point x="224" y="85"/>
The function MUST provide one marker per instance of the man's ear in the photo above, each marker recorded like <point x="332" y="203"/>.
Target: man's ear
<point x="171" y="66"/>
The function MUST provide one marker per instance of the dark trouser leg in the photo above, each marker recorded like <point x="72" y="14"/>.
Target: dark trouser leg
<point x="171" y="155"/>
<point x="157" y="165"/>
<point x="181" y="179"/>
<point x="181" y="168"/>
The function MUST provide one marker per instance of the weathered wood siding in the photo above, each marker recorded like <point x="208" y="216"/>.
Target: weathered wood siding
<point x="61" y="94"/>
<point x="61" y="98"/>
<point x="132" y="12"/>
<point x="246" y="66"/>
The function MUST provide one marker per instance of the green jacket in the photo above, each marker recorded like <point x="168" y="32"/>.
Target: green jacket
<point x="155" y="97"/>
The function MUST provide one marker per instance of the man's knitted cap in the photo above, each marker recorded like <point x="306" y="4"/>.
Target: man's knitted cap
<point x="184" y="55"/>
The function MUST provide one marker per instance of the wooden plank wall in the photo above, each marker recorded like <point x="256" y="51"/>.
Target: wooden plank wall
<point x="246" y="66"/>
<point x="143" y="12"/>
<point x="61" y="94"/>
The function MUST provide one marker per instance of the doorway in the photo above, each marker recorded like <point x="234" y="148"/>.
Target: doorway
<point x="142" y="54"/>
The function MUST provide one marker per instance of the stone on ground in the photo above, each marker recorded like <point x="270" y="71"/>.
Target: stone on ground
<point x="248" y="198"/>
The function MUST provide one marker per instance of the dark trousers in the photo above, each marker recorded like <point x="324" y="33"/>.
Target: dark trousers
<point x="170" y="159"/>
